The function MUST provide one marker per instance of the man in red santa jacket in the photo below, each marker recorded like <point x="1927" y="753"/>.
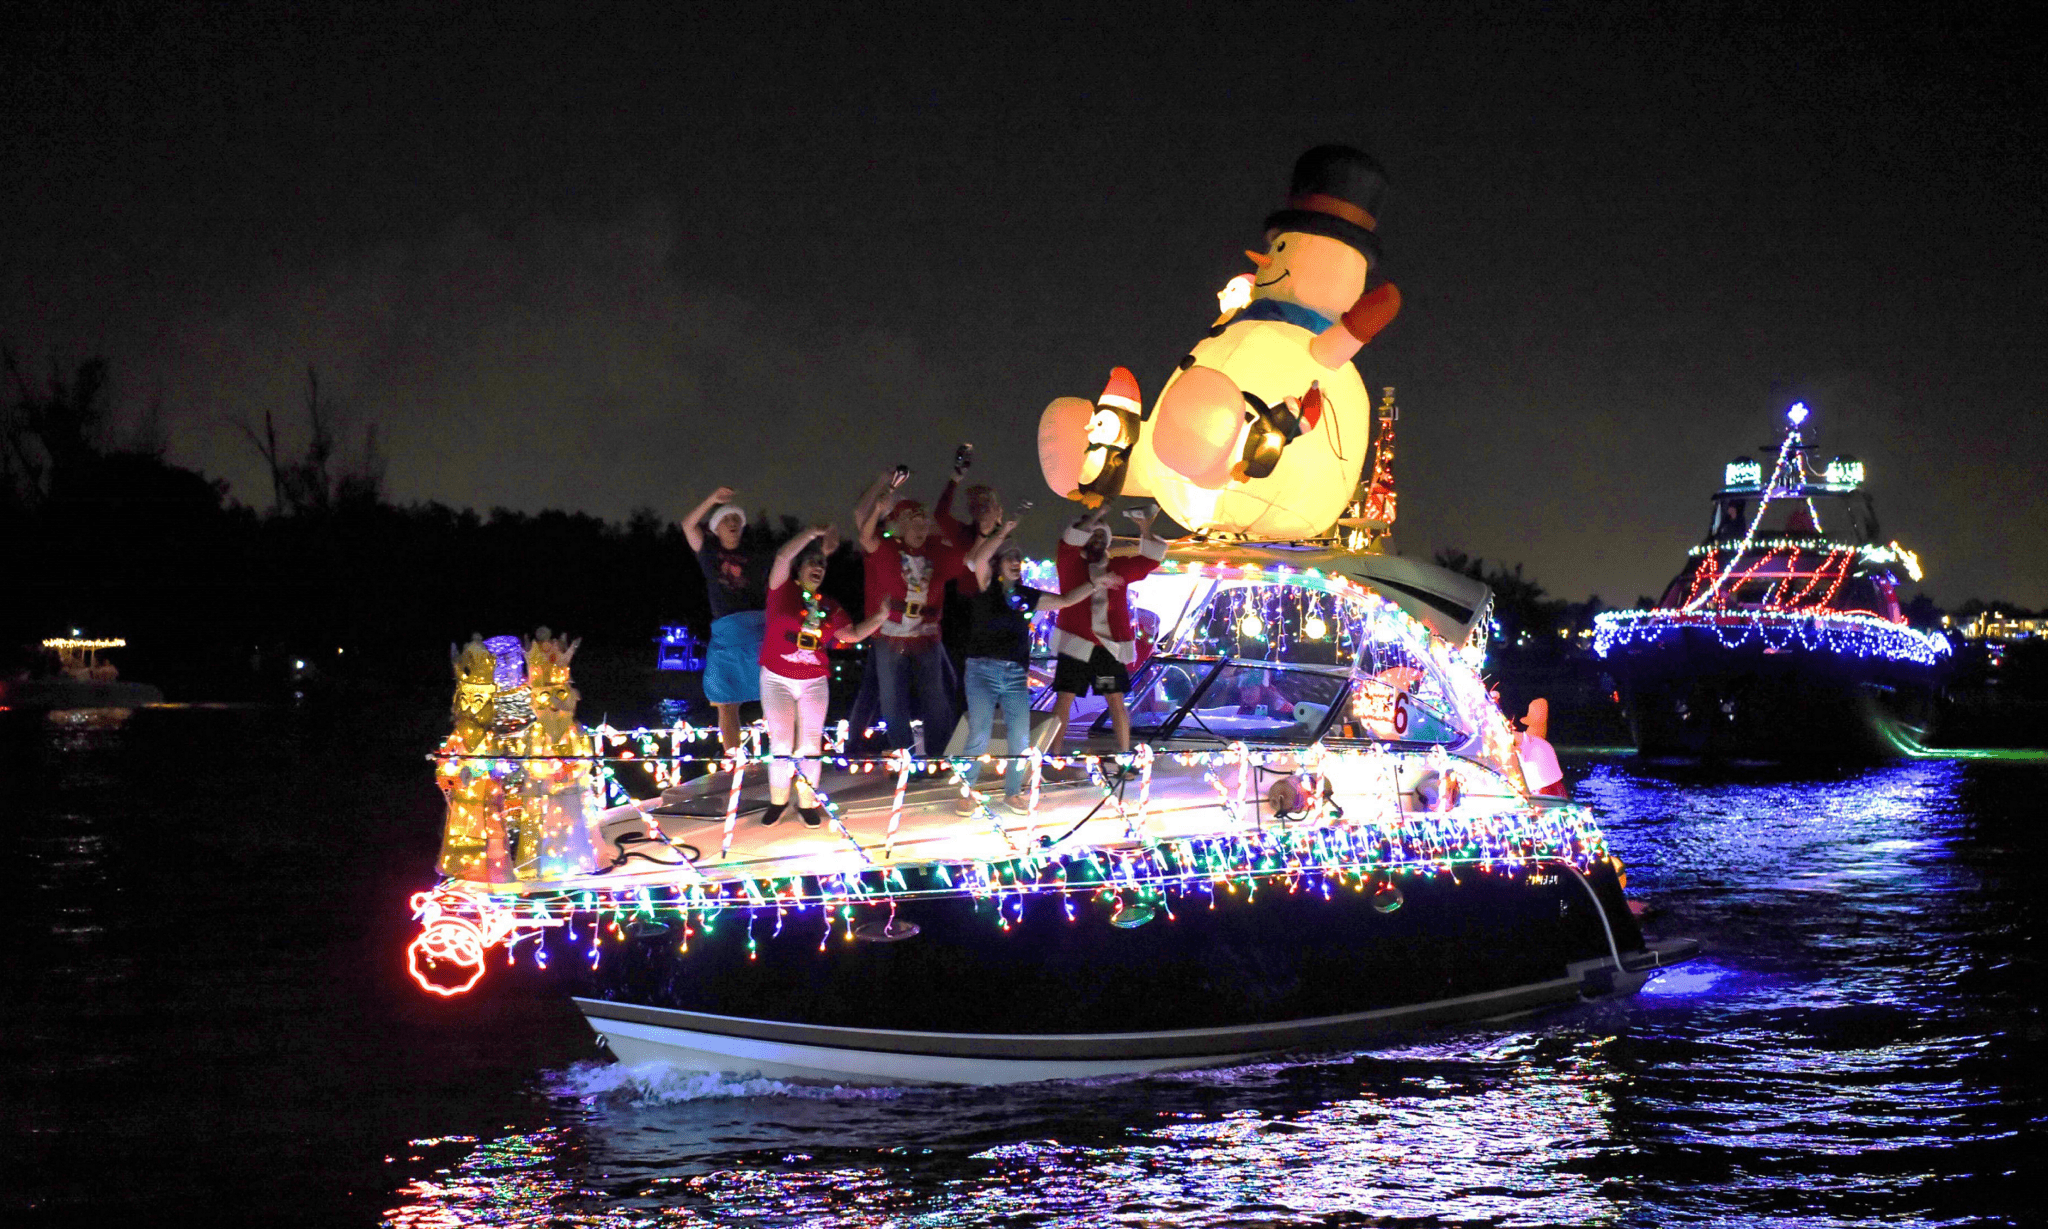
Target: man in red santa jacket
<point x="1095" y="640"/>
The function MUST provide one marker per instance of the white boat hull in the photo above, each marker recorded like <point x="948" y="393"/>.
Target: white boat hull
<point x="737" y="1046"/>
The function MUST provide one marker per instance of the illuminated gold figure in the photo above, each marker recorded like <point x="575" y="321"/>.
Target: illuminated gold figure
<point x="559" y="835"/>
<point x="473" y="841"/>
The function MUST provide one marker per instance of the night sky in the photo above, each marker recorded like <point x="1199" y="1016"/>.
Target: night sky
<point x="589" y="262"/>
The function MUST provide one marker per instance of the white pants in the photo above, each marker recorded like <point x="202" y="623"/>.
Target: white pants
<point x="794" y="710"/>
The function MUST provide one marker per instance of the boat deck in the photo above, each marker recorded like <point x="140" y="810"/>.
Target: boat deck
<point x="929" y="829"/>
<point x="1181" y="802"/>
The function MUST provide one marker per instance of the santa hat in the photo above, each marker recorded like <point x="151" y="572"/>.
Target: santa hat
<point x="1121" y="393"/>
<point x="724" y="510"/>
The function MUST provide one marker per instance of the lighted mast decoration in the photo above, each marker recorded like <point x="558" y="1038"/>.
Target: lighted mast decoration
<point x="1785" y="591"/>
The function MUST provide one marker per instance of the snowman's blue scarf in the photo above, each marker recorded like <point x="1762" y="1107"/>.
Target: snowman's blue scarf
<point x="1285" y="313"/>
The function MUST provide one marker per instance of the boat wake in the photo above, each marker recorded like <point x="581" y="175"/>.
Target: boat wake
<point x="621" y="1086"/>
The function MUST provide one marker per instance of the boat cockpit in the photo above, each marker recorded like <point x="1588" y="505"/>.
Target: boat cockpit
<point x="1292" y="656"/>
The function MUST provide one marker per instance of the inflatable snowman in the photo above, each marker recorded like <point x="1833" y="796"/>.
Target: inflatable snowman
<point x="1263" y="429"/>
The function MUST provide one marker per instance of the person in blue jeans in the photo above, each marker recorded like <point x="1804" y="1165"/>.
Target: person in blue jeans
<point x="999" y="657"/>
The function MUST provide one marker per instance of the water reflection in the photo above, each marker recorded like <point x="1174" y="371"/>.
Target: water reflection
<point x="200" y="973"/>
<point x="1484" y="1127"/>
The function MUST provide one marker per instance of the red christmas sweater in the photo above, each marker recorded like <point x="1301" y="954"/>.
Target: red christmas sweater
<point x="1105" y="618"/>
<point x="910" y="583"/>
<point x="800" y="629"/>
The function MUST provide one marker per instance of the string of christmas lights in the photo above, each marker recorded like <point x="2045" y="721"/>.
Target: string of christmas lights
<point x="1850" y="633"/>
<point x="1477" y="818"/>
<point x="461" y="922"/>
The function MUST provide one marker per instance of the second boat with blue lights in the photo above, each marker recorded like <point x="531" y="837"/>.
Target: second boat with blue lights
<point x="1783" y="637"/>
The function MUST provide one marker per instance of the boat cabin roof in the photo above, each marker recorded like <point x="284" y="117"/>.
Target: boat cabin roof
<point x="1449" y="603"/>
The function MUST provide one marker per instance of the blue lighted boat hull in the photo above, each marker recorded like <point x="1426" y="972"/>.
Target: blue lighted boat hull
<point x="1689" y="695"/>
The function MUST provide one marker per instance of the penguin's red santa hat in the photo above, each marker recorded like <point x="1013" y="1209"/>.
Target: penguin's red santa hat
<point x="1121" y="392"/>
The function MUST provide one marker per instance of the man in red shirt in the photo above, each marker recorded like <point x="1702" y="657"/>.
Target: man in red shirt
<point x="907" y="573"/>
<point x="1095" y="639"/>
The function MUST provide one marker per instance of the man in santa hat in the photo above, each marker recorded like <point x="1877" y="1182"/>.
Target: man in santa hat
<point x="1095" y="640"/>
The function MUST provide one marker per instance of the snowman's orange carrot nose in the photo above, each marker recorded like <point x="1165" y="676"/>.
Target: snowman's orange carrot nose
<point x="1258" y="258"/>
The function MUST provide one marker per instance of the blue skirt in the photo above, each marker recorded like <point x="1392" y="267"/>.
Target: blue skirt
<point x="732" y="665"/>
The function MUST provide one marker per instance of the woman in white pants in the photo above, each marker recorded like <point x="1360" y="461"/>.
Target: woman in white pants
<point x="795" y="673"/>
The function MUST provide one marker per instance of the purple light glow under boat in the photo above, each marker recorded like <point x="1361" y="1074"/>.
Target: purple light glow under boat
<point x="1690" y="979"/>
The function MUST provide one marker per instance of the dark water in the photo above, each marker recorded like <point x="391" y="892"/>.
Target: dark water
<point x="206" y="1016"/>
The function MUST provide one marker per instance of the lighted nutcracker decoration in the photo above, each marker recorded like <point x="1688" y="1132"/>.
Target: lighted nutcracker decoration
<point x="559" y="836"/>
<point x="1263" y="430"/>
<point x="474" y="843"/>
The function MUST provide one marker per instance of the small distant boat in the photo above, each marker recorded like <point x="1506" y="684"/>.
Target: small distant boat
<point x="82" y="681"/>
<point x="1782" y="638"/>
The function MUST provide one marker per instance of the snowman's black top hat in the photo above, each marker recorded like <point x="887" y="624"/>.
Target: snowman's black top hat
<point x="1336" y="192"/>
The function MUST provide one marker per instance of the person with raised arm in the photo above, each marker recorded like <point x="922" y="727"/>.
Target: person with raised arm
<point x="999" y="657"/>
<point x="734" y="580"/>
<point x="984" y="517"/>
<point x="795" y="675"/>
<point x="984" y="510"/>
<point x="1095" y="641"/>
<point x="867" y="702"/>
<point x="906" y="572"/>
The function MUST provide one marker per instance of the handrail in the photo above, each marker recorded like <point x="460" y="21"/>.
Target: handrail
<point x="1598" y="908"/>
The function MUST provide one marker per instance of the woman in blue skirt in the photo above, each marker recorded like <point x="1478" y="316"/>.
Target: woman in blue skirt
<point x="735" y="579"/>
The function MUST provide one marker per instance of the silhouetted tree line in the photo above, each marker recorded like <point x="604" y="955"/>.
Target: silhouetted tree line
<point x="104" y="534"/>
<point x="1530" y="623"/>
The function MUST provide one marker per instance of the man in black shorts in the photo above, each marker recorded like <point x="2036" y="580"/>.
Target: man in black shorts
<point x="1095" y="639"/>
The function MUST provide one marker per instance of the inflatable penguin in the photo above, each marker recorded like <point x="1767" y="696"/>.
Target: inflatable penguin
<point x="1092" y="444"/>
<point x="1263" y="429"/>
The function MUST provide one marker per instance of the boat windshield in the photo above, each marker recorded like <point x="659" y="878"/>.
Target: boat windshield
<point x="1228" y="700"/>
<point x="1840" y="516"/>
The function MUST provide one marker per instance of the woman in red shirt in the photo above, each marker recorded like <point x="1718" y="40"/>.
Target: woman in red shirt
<point x="795" y="673"/>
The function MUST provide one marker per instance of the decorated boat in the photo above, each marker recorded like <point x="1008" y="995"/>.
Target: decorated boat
<point x="1320" y="834"/>
<point x="1782" y="637"/>
<point x="81" y="682"/>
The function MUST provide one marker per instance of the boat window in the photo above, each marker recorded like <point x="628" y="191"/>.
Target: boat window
<point x="1255" y="702"/>
<point x="1731" y="519"/>
<point x="1862" y="593"/>
<point x="1381" y="710"/>
<point x="1285" y="624"/>
<point x="1163" y="687"/>
<point x="1399" y="696"/>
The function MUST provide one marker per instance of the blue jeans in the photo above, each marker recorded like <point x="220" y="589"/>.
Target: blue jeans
<point x="922" y="669"/>
<point x="991" y="681"/>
